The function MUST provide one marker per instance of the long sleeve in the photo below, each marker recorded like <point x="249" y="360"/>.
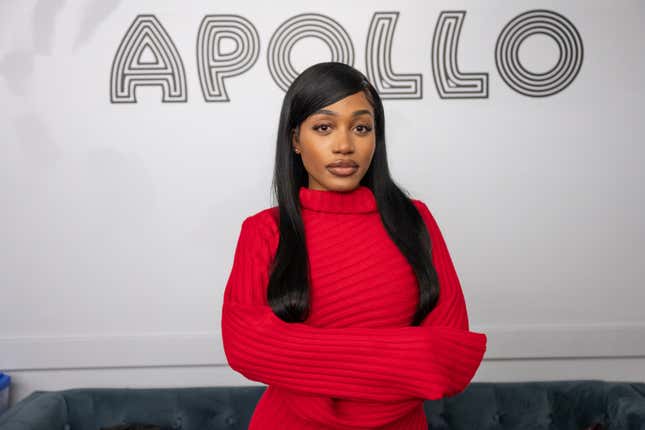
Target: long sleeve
<point x="451" y="308"/>
<point x="430" y="361"/>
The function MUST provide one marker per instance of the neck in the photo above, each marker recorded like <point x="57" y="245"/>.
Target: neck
<point x="359" y="200"/>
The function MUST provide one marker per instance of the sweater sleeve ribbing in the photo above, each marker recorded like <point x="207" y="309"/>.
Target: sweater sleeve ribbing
<point x="451" y="308"/>
<point x="436" y="359"/>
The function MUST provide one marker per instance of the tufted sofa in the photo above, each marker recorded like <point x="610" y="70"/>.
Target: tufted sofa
<point x="573" y="404"/>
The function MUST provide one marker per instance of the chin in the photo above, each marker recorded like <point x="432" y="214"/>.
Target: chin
<point x="343" y="184"/>
<point x="339" y="183"/>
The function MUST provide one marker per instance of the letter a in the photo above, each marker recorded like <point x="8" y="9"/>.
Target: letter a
<point x="147" y="56"/>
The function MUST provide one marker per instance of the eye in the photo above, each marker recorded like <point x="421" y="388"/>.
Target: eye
<point x="366" y="128"/>
<point x="321" y="127"/>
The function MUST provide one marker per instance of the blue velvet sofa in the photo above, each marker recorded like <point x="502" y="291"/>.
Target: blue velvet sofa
<point x="570" y="405"/>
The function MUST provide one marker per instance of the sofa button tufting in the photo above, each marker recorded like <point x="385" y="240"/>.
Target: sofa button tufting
<point x="178" y="423"/>
<point x="230" y="420"/>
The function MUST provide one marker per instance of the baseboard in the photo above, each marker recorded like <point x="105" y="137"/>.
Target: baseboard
<point x="205" y="348"/>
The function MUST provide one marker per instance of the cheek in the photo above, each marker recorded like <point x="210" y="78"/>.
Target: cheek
<point x="313" y="156"/>
<point x="312" y="144"/>
<point x="368" y="152"/>
<point x="315" y="159"/>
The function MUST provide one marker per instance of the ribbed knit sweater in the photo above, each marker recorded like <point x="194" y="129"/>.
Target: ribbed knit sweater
<point x="356" y="362"/>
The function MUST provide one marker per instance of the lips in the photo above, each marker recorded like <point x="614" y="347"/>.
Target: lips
<point x="342" y="171"/>
<point x="343" y="163"/>
<point x="343" y="167"/>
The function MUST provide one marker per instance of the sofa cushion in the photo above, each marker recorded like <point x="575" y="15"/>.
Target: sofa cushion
<point x="575" y="404"/>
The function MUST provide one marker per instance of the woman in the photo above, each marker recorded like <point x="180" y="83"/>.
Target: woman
<point x="343" y="299"/>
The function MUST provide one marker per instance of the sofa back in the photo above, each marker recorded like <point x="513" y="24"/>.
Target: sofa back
<point x="576" y="404"/>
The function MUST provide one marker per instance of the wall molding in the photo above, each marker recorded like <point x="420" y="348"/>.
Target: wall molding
<point x="542" y="341"/>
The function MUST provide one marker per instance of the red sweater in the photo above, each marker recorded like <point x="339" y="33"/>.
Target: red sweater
<point x="356" y="363"/>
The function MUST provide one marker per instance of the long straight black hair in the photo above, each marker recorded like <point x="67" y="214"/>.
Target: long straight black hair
<point x="289" y="284"/>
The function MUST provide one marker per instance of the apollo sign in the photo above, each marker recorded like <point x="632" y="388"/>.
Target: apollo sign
<point x="148" y="56"/>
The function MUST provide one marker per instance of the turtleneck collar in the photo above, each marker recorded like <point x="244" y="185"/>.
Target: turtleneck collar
<point x="358" y="200"/>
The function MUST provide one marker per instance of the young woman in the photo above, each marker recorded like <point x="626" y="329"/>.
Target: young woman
<point x="343" y="298"/>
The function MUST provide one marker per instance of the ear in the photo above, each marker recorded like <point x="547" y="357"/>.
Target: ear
<point x="294" y="140"/>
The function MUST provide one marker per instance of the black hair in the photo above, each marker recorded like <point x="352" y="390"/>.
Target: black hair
<point x="288" y="293"/>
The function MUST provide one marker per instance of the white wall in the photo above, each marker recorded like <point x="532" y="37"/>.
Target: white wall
<point x="118" y="221"/>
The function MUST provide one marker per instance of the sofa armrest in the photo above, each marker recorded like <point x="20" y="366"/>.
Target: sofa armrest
<point x="38" y="411"/>
<point x="627" y="407"/>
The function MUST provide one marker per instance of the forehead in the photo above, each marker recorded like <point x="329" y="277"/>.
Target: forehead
<point x="352" y="105"/>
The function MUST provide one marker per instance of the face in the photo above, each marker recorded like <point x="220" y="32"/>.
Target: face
<point x="340" y="132"/>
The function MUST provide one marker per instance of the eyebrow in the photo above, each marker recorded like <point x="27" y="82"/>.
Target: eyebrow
<point x="331" y="112"/>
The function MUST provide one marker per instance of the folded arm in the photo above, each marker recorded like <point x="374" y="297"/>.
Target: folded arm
<point x="436" y="359"/>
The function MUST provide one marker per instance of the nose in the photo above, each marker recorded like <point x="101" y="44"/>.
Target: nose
<point x="344" y="143"/>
